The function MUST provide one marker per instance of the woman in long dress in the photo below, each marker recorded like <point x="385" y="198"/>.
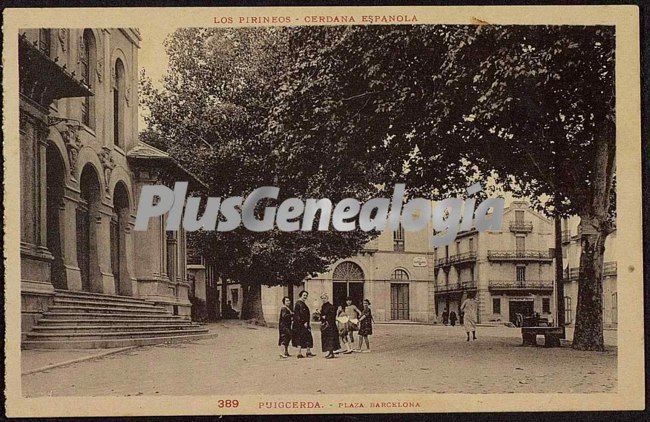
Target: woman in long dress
<point x="284" y="327"/>
<point x="302" y="338"/>
<point x="470" y="308"/>
<point x="328" y="330"/>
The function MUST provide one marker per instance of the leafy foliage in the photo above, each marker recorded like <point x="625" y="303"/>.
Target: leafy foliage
<point x="349" y="111"/>
<point x="212" y="116"/>
<point x="530" y="107"/>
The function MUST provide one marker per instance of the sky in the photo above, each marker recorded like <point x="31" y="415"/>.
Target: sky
<point x="152" y="58"/>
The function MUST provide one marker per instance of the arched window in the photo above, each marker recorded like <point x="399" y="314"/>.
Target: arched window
<point x="118" y="105"/>
<point x="88" y="58"/>
<point x="347" y="271"/>
<point x="348" y="281"/>
<point x="400" y="274"/>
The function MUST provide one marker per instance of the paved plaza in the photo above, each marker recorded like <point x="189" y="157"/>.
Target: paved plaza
<point x="244" y="359"/>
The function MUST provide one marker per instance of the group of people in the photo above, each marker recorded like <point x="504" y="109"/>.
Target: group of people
<point x="337" y="327"/>
<point x="468" y="311"/>
<point x="450" y="318"/>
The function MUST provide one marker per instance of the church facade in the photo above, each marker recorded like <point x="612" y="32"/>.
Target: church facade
<point x="81" y="170"/>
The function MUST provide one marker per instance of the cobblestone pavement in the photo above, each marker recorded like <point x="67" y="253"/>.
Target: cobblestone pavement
<point x="244" y="359"/>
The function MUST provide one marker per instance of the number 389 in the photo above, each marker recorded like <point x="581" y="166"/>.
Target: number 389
<point x="228" y="403"/>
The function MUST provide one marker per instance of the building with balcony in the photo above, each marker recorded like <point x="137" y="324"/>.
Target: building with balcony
<point x="511" y="271"/>
<point x="394" y="271"/>
<point x="571" y="251"/>
<point x="82" y="168"/>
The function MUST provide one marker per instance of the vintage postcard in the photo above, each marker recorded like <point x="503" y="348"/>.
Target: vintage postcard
<point x="218" y="211"/>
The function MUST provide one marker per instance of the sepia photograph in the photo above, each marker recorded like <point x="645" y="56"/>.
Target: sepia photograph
<point x="314" y="210"/>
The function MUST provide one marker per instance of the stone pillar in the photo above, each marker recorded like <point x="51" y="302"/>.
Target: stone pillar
<point x="132" y="288"/>
<point x="35" y="259"/>
<point x="42" y="191"/>
<point x="484" y="305"/>
<point x="103" y="249"/>
<point x="68" y="224"/>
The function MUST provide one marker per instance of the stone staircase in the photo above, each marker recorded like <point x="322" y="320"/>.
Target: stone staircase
<point x="84" y="320"/>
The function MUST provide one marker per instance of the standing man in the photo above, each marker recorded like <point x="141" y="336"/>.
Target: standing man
<point x="329" y="331"/>
<point x="470" y="309"/>
<point x="302" y="338"/>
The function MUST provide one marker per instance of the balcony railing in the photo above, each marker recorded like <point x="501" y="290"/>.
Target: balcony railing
<point x="521" y="285"/>
<point x="610" y="268"/>
<point x="526" y="255"/>
<point x="521" y="226"/>
<point x="572" y="273"/>
<point x="459" y="258"/>
<point x="456" y="287"/>
<point x="443" y="262"/>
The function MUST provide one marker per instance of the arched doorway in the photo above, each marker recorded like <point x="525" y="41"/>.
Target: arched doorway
<point x="119" y="229"/>
<point x="55" y="181"/>
<point x="399" y="295"/>
<point x="87" y="208"/>
<point x="347" y="281"/>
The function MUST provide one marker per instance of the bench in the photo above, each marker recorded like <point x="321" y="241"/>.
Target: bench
<point x="552" y="335"/>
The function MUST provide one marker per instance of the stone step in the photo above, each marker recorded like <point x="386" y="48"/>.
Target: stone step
<point x="113" y="335"/>
<point x="71" y="329"/>
<point x="98" y="296"/>
<point x="95" y="320"/>
<point x="105" y="309"/>
<point x="104" y="321"/>
<point x="103" y="304"/>
<point x="107" y="315"/>
<point x="111" y="343"/>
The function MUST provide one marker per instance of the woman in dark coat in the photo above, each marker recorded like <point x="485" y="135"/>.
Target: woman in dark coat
<point x="284" y="327"/>
<point x="302" y="338"/>
<point x="329" y="331"/>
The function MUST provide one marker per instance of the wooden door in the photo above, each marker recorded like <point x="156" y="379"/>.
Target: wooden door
<point x="399" y="301"/>
<point x="340" y="293"/>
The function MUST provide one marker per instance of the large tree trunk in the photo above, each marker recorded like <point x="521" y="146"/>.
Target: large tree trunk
<point x="594" y="228"/>
<point x="224" y="296"/>
<point x="251" y="310"/>
<point x="589" y="312"/>
<point x="559" y="273"/>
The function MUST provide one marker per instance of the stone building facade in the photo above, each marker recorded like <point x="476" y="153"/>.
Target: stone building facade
<point x="571" y="251"/>
<point x="82" y="169"/>
<point x="510" y="271"/>
<point x="394" y="271"/>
